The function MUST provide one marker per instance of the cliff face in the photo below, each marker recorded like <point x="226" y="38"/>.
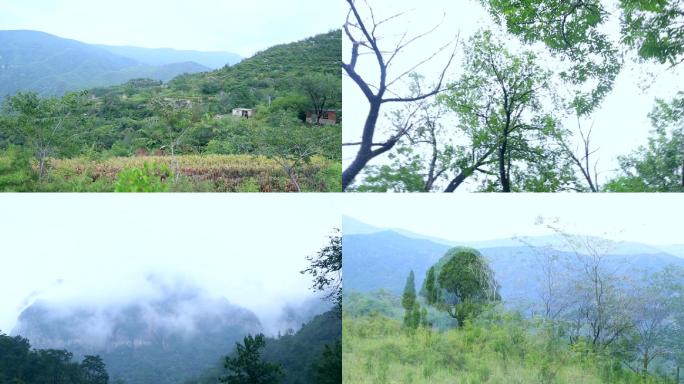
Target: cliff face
<point x="166" y="338"/>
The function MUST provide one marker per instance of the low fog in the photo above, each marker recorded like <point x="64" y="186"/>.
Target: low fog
<point x="104" y="254"/>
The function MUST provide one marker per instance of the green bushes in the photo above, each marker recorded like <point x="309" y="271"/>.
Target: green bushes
<point x="149" y="178"/>
<point x="15" y="170"/>
<point x="500" y="349"/>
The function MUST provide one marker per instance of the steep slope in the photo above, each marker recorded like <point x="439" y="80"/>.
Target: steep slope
<point x="160" y="340"/>
<point x="296" y="352"/>
<point x="163" y="56"/>
<point x="50" y="65"/>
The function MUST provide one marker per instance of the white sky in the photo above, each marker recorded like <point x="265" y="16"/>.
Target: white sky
<point x="240" y="26"/>
<point x="621" y="123"/>
<point x="248" y="248"/>
<point x="644" y="218"/>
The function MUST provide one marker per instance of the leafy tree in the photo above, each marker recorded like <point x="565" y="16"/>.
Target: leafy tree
<point x="509" y="137"/>
<point x="94" y="370"/>
<point x="326" y="269"/>
<point x="46" y="126"/>
<point x="572" y="32"/>
<point x="655" y="28"/>
<point x="659" y="166"/>
<point x="247" y="366"/>
<point x="323" y="91"/>
<point x="465" y="283"/>
<point x="292" y="149"/>
<point x="328" y="369"/>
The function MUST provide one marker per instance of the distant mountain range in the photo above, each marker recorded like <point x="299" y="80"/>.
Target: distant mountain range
<point x="50" y="65"/>
<point x="352" y="226"/>
<point x="376" y="258"/>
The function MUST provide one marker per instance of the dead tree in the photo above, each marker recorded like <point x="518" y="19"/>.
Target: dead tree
<point x="582" y="160"/>
<point x="365" y="41"/>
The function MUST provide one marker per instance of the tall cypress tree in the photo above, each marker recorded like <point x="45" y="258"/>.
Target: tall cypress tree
<point x="408" y="299"/>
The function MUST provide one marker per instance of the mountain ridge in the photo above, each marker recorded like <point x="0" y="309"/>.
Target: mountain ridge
<point x="51" y="65"/>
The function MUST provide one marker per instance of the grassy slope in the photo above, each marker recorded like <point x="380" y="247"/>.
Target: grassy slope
<point x="377" y="350"/>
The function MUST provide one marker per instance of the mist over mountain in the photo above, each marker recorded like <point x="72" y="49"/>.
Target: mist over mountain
<point x="382" y="259"/>
<point x="164" y="56"/>
<point x="172" y="332"/>
<point x="51" y="65"/>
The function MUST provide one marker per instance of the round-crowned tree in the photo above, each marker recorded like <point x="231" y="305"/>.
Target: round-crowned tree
<point x="461" y="283"/>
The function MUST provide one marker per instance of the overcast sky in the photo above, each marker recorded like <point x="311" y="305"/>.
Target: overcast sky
<point x="240" y="26"/>
<point x="621" y="123"/>
<point x="645" y="218"/>
<point x="247" y="248"/>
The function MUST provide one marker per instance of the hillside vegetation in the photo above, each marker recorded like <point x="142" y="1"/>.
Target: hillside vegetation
<point x="498" y="350"/>
<point x="190" y="115"/>
<point x="584" y="317"/>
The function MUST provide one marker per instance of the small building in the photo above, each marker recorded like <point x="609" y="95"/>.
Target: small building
<point x="328" y="116"/>
<point x="243" y="112"/>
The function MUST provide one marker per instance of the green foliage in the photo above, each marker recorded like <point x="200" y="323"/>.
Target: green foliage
<point x="20" y="364"/>
<point x="572" y="31"/>
<point x="190" y="116"/>
<point x="464" y="285"/>
<point x="328" y="370"/>
<point x="146" y="179"/>
<point x="659" y="166"/>
<point x="16" y="174"/>
<point x="94" y="370"/>
<point x="509" y="136"/>
<point x="405" y="174"/>
<point x="654" y="28"/>
<point x="502" y="348"/>
<point x="247" y="367"/>
<point x="301" y="354"/>
<point x="326" y="270"/>
<point x="408" y="299"/>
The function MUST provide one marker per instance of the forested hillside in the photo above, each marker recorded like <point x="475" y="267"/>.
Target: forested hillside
<point x="19" y="363"/>
<point x="181" y="135"/>
<point x="299" y="353"/>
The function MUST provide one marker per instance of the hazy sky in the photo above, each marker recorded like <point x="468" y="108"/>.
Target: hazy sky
<point x="247" y="248"/>
<point x="645" y="218"/>
<point x="240" y="26"/>
<point x="620" y="125"/>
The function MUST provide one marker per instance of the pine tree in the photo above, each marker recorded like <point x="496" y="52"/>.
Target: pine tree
<point x="248" y="368"/>
<point x="408" y="299"/>
<point x="431" y="291"/>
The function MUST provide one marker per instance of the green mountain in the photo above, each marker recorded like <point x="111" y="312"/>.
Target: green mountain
<point x="50" y="65"/>
<point x="296" y="352"/>
<point x="269" y="74"/>
<point x="164" y="56"/>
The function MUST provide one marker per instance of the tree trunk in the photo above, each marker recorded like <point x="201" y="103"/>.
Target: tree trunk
<point x="503" y="175"/>
<point x="460" y="178"/>
<point x="365" y="153"/>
